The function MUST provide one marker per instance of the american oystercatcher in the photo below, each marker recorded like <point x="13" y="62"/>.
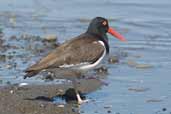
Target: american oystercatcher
<point x="82" y="52"/>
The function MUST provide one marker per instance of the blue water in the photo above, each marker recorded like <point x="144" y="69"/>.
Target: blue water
<point x="145" y="24"/>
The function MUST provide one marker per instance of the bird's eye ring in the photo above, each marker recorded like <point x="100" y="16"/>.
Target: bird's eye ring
<point x="104" y="23"/>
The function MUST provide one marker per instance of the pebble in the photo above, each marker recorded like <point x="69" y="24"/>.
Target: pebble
<point x="8" y="66"/>
<point x="11" y="91"/>
<point x="61" y="90"/>
<point x="109" y="111"/>
<point x="117" y="113"/>
<point x="138" y="89"/>
<point x="109" y="106"/>
<point x="113" y="60"/>
<point x="124" y="54"/>
<point x="49" y="78"/>
<point x="164" y="109"/>
<point x="42" y="105"/>
<point x="61" y="106"/>
<point x="102" y="69"/>
<point x="3" y="58"/>
<point x="143" y="66"/>
<point x="13" y="37"/>
<point x="154" y="100"/>
<point x="22" y="84"/>
<point x="138" y="65"/>
<point x="12" y="20"/>
<point x="8" y="83"/>
<point x="50" y="38"/>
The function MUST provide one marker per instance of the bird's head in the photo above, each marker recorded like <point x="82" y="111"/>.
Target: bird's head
<point x="100" y="26"/>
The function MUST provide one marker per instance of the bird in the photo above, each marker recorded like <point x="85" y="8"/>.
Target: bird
<point x="83" y="52"/>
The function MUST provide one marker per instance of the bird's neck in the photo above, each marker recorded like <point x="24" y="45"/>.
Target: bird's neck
<point x="102" y="38"/>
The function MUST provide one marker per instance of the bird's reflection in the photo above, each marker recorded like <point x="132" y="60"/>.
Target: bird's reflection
<point x="85" y="83"/>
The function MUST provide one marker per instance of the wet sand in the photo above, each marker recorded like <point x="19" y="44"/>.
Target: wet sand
<point x="37" y="99"/>
<point x="13" y="100"/>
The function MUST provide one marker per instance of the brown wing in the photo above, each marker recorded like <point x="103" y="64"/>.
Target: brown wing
<point x="81" y="49"/>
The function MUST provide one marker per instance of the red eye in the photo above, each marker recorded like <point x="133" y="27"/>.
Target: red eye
<point x="104" y="23"/>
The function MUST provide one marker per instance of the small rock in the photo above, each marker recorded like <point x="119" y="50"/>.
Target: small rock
<point x="29" y="37"/>
<point x="49" y="77"/>
<point x="124" y="54"/>
<point x="8" y="66"/>
<point x="22" y="84"/>
<point x="102" y="70"/>
<point x="10" y="56"/>
<point x="138" y="65"/>
<point x="11" y="91"/>
<point x="50" y="38"/>
<point x="3" y="58"/>
<point x="117" y="113"/>
<point x="8" y="83"/>
<point x="12" y="20"/>
<point x="61" y="106"/>
<point x="143" y="66"/>
<point x="24" y="36"/>
<point x="164" y="109"/>
<point x="138" y="89"/>
<point x="109" y="111"/>
<point x="113" y="60"/>
<point x="42" y="105"/>
<point x="61" y="90"/>
<point x="13" y="37"/>
<point x="154" y="100"/>
<point x="109" y="106"/>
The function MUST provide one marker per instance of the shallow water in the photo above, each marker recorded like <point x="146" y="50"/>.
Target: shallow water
<point x="145" y="24"/>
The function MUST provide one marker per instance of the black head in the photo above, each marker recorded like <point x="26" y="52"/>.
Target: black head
<point x="98" y="26"/>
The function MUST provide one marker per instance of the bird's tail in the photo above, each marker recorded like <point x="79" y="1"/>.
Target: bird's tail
<point x="30" y="73"/>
